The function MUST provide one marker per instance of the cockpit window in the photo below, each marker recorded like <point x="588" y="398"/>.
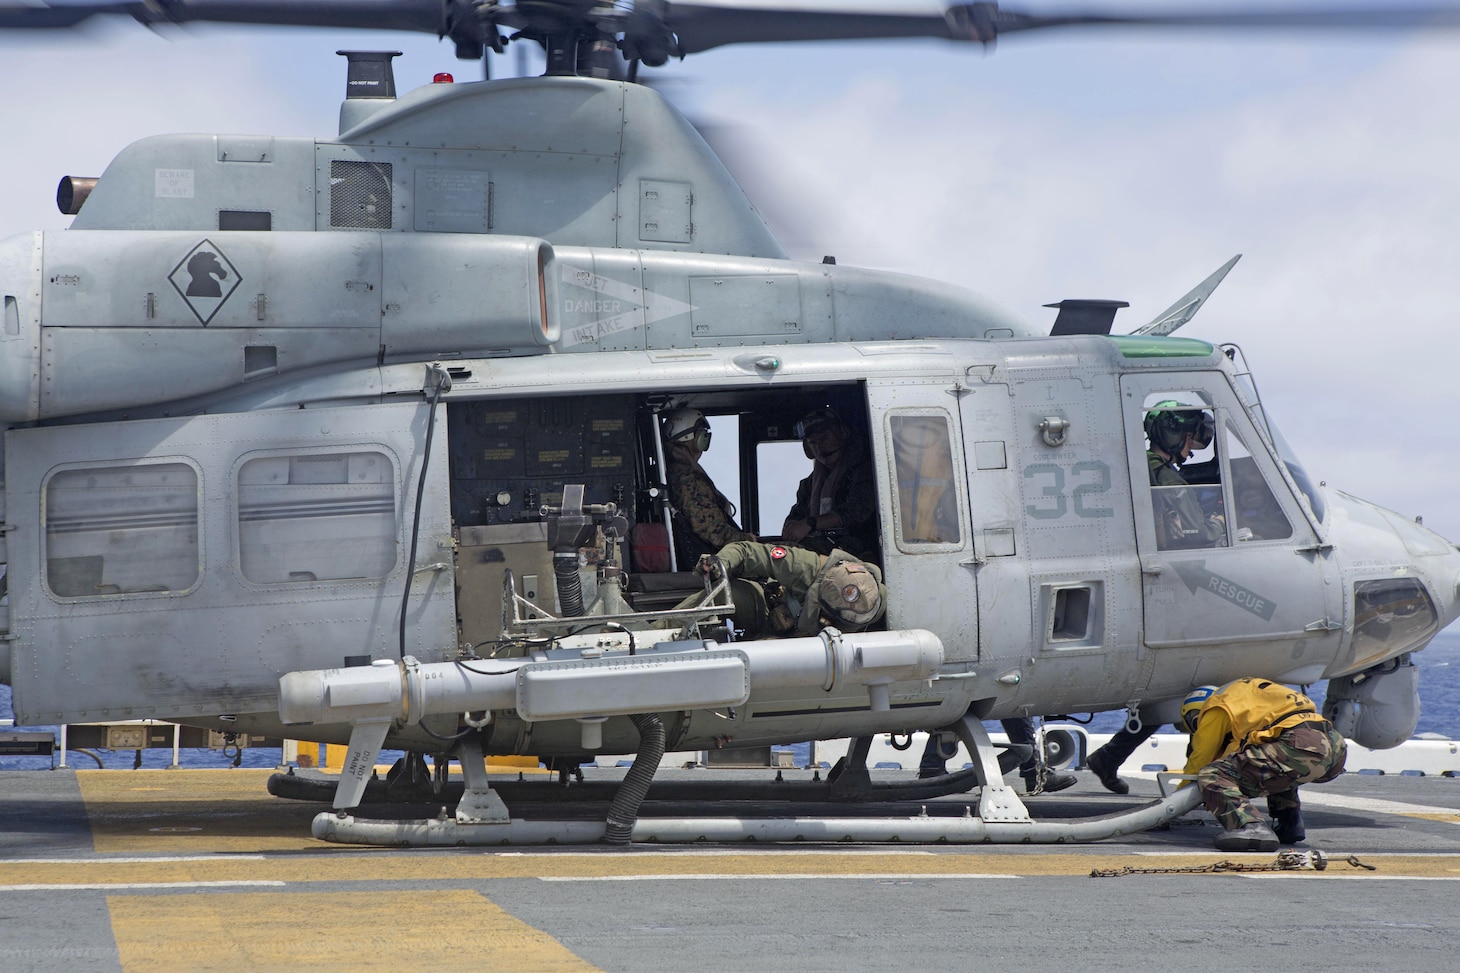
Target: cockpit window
<point x="1256" y="513"/>
<point x="1185" y="470"/>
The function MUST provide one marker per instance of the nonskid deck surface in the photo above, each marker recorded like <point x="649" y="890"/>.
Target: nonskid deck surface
<point x="194" y="870"/>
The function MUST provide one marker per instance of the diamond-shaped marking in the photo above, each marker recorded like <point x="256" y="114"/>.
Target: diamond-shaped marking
<point x="205" y="279"/>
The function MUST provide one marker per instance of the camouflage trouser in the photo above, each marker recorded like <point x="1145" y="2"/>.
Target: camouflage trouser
<point x="1302" y="754"/>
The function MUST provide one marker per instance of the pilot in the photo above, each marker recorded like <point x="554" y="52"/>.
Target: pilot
<point x="1251" y="737"/>
<point x="1038" y="779"/>
<point x="792" y="591"/>
<point x="836" y="506"/>
<point x="704" y="520"/>
<point x="1174" y="433"/>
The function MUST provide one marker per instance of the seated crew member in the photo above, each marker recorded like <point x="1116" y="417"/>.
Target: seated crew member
<point x="1174" y="433"/>
<point x="1251" y="737"/>
<point x="1019" y="729"/>
<point x="836" y="506"/>
<point x="704" y="520"/>
<point x="793" y="591"/>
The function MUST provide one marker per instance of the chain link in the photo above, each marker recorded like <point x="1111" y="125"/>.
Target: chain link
<point x="1287" y="861"/>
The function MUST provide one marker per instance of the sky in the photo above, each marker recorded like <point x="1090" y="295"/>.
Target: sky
<point x="1125" y="165"/>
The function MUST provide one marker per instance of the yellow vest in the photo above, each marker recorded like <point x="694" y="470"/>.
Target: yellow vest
<point x="1260" y="709"/>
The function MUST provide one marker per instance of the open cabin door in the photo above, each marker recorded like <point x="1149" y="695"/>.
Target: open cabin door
<point x="177" y="567"/>
<point x="1230" y="557"/>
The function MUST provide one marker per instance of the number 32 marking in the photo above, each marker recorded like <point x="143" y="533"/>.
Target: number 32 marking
<point x="1090" y="479"/>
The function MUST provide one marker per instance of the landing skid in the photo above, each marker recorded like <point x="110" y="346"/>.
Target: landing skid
<point x="851" y="788"/>
<point x="482" y="817"/>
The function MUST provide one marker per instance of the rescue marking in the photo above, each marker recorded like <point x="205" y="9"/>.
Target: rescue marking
<point x="1198" y="578"/>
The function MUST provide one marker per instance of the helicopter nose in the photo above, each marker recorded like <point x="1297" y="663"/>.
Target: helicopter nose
<point x="1401" y="581"/>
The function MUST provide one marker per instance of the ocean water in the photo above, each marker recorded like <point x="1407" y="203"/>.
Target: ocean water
<point x="1439" y="691"/>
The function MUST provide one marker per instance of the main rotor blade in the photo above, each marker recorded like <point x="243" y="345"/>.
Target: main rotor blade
<point x="427" y="16"/>
<point x="700" y="27"/>
<point x="664" y="27"/>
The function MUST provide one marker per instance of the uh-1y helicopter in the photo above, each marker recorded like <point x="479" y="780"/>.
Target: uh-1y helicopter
<point x="358" y="440"/>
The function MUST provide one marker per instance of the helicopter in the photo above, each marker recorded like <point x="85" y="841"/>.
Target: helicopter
<point x="293" y="450"/>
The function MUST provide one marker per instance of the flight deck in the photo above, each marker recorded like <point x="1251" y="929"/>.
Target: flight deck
<point x="195" y="870"/>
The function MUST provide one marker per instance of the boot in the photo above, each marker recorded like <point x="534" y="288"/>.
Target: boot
<point x="1288" y="824"/>
<point x="1100" y="765"/>
<point x="1250" y="837"/>
<point x="1054" y="780"/>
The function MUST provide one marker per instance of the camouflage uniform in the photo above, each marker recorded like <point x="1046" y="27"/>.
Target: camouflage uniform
<point x="702" y="521"/>
<point x="797" y="573"/>
<point x="1256" y="737"/>
<point x="1179" y="518"/>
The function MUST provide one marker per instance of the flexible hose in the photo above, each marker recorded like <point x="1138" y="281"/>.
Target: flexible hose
<point x="623" y="813"/>
<point x="570" y="588"/>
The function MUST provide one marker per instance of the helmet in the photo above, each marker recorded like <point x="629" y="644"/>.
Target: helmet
<point x="1191" y="706"/>
<point x="686" y="427"/>
<point x="815" y="421"/>
<point x="1168" y="423"/>
<point x="850" y="594"/>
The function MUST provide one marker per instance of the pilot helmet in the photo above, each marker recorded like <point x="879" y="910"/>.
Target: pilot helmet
<point x="687" y="427"/>
<point x="1168" y="423"/>
<point x="1191" y="706"/>
<point x="850" y="595"/>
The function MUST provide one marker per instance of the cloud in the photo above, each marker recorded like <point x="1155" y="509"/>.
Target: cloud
<point x="1328" y="168"/>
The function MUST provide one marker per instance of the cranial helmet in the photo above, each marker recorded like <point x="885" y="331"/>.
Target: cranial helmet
<point x="815" y="421"/>
<point x="686" y="426"/>
<point x="1168" y="423"/>
<point x="850" y="594"/>
<point x="1192" y="705"/>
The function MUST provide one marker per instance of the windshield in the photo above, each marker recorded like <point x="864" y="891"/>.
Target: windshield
<point x="1295" y="469"/>
<point x="1247" y="392"/>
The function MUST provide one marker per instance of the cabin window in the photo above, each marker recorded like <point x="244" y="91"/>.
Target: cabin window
<point x="121" y="530"/>
<point x="927" y="491"/>
<point x="317" y="517"/>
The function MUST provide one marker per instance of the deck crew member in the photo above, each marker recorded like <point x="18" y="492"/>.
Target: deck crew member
<point x="1251" y="737"/>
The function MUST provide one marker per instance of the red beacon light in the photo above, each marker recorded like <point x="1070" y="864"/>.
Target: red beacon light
<point x="442" y="78"/>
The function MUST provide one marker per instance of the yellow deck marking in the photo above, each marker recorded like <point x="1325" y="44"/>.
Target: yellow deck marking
<point x="182" y="811"/>
<point x="404" y="866"/>
<point x="447" y="931"/>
